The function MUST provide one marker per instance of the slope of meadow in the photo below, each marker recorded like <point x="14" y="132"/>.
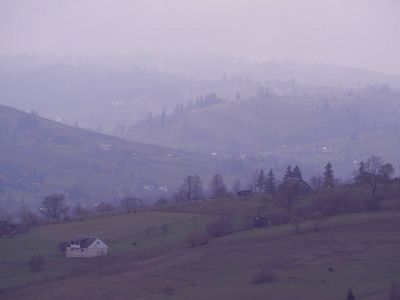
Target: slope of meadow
<point x="361" y="248"/>
<point x="39" y="156"/>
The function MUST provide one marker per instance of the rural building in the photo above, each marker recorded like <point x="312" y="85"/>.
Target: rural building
<point x="6" y="229"/>
<point x="295" y="186"/>
<point x="19" y="228"/>
<point x="85" y="246"/>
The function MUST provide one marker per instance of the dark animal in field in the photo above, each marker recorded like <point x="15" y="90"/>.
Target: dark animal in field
<point x="330" y="270"/>
<point x="134" y="244"/>
<point x="322" y="280"/>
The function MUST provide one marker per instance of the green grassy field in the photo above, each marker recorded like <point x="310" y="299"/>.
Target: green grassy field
<point x="363" y="249"/>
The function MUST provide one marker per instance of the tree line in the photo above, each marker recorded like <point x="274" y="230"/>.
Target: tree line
<point x="373" y="173"/>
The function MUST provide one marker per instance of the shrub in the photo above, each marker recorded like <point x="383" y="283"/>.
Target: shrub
<point x="318" y="218"/>
<point x="169" y="287"/>
<point x="372" y="203"/>
<point x="278" y="219"/>
<point x="296" y="221"/>
<point x="264" y="277"/>
<point x="219" y="227"/>
<point x="35" y="262"/>
<point x="195" y="238"/>
<point x="164" y="228"/>
<point x="394" y="291"/>
<point x="350" y="295"/>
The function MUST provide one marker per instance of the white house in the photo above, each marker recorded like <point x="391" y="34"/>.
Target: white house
<point x="86" y="246"/>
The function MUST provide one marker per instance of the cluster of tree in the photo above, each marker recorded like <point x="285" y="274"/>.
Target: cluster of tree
<point x="192" y="188"/>
<point x="376" y="174"/>
<point x="261" y="183"/>
<point x="266" y="184"/>
<point x="296" y="173"/>
<point x="158" y="119"/>
<point x="326" y="180"/>
<point x="285" y="197"/>
<point x="208" y="99"/>
<point x="373" y="173"/>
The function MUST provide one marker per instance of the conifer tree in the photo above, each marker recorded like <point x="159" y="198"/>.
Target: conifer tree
<point x="261" y="181"/>
<point x="350" y="295"/>
<point x="328" y="178"/>
<point x="297" y="173"/>
<point x="288" y="173"/>
<point x="163" y="116"/>
<point x="270" y="186"/>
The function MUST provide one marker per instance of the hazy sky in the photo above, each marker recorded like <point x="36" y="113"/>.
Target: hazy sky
<point x="362" y="33"/>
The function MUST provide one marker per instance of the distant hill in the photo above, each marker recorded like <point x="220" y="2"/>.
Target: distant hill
<point x="39" y="156"/>
<point x="304" y="130"/>
<point x="313" y="113"/>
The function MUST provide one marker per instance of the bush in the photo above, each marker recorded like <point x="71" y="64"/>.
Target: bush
<point x="195" y="238"/>
<point x="169" y="287"/>
<point x="278" y="219"/>
<point x="350" y="295"/>
<point x="394" y="291"/>
<point x="264" y="277"/>
<point x="296" y="222"/>
<point x="36" y="262"/>
<point x="318" y="218"/>
<point x="219" y="227"/>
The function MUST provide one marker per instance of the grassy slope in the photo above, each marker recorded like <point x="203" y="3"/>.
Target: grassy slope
<point x="363" y="250"/>
<point x="69" y="156"/>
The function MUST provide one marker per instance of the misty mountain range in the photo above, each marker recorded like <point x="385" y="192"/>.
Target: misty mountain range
<point x="268" y="115"/>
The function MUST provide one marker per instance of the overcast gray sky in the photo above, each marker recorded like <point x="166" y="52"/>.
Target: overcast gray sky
<point x="361" y="33"/>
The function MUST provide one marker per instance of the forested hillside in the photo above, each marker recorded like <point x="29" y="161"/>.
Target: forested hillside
<point x="305" y="130"/>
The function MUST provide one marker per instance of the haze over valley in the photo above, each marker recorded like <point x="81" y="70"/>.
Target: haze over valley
<point x="204" y="150"/>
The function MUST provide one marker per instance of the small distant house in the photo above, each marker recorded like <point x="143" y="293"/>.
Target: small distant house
<point x="244" y="193"/>
<point x="19" y="228"/>
<point x="260" y="222"/>
<point x="295" y="186"/>
<point x="6" y="229"/>
<point x="85" y="246"/>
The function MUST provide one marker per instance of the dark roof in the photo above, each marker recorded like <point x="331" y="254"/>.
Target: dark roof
<point x="5" y="225"/>
<point x="63" y="245"/>
<point x="84" y="241"/>
<point x="18" y="228"/>
<point x="292" y="182"/>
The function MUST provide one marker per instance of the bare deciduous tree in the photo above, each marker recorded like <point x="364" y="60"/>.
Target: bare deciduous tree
<point x="217" y="187"/>
<point x="377" y="172"/>
<point x="252" y="185"/>
<point x="53" y="206"/>
<point x="191" y="189"/>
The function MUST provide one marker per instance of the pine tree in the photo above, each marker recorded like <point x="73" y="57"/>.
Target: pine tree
<point x="163" y="118"/>
<point x="288" y="173"/>
<point x="270" y="186"/>
<point x="328" y="178"/>
<point x="361" y="172"/>
<point x="350" y="295"/>
<point x="261" y="181"/>
<point x="297" y="173"/>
